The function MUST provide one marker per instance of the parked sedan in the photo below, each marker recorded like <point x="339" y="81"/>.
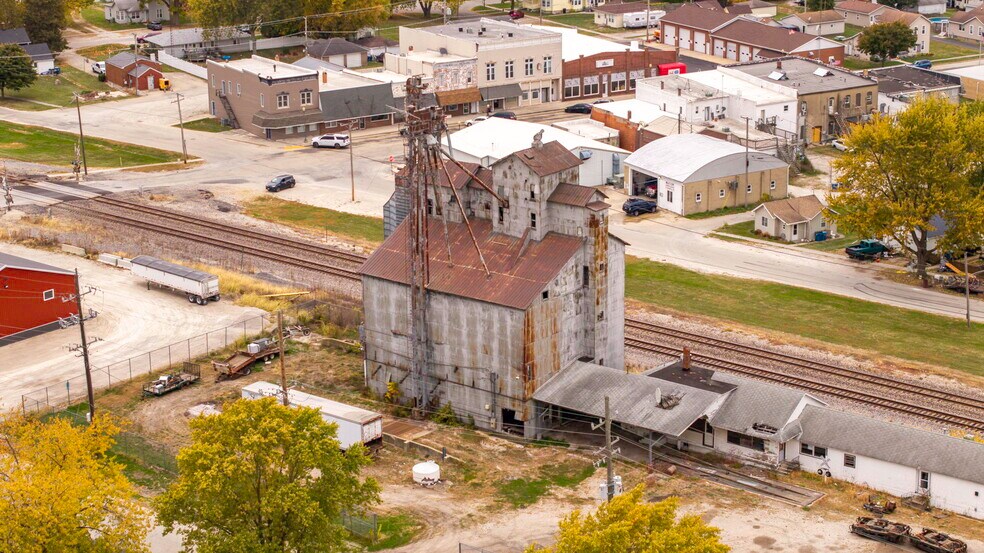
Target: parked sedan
<point x="504" y="115"/>
<point x="637" y="206"/>
<point x="516" y="14"/>
<point x="839" y="145"/>
<point x="280" y="183"/>
<point x="478" y="119"/>
<point x="578" y="108"/>
<point x="923" y="64"/>
<point x="155" y="26"/>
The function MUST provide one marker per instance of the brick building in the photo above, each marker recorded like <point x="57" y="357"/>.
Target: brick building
<point x="31" y="297"/>
<point x="130" y="70"/>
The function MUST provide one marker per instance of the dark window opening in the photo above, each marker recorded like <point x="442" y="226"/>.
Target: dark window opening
<point x="585" y="276"/>
<point x="532" y="193"/>
<point x="502" y="214"/>
<point x="533" y="220"/>
<point x="813" y="451"/>
<point x="430" y="207"/>
<point x="509" y="421"/>
<point x="850" y="460"/>
<point x="746" y="441"/>
<point x="546" y="294"/>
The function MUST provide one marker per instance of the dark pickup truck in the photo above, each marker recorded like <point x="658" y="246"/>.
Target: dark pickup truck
<point x="866" y="249"/>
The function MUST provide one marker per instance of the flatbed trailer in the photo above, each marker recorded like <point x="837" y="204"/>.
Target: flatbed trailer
<point x="880" y="529"/>
<point x="931" y="541"/>
<point x="175" y="381"/>
<point x="241" y="362"/>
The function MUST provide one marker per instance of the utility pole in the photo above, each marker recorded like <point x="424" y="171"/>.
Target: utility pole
<point x="78" y="111"/>
<point x="967" y="287"/>
<point x="305" y="33"/>
<point x="352" y="158"/>
<point x="184" y="146"/>
<point x="608" y="451"/>
<point x="7" y="196"/>
<point x="647" y="20"/>
<point x="136" y="80"/>
<point x="283" y="368"/>
<point x="747" y="119"/>
<point x="85" y="348"/>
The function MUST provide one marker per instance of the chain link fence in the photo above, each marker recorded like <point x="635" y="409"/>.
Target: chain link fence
<point x="73" y="390"/>
<point x="366" y="526"/>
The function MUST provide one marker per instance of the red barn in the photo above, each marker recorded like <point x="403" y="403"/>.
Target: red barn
<point x="129" y="70"/>
<point x="31" y="297"/>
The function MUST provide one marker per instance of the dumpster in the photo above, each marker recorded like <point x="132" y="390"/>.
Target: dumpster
<point x="820" y="235"/>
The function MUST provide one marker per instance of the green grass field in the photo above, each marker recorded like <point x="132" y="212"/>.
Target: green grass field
<point x="319" y="219"/>
<point x="906" y="334"/>
<point x="522" y="492"/>
<point x="856" y="64"/>
<point x="51" y="147"/>
<point x="837" y="244"/>
<point x="939" y="50"/>
<point x="103" y="52"/>
<point x="56" y="90"/>
<point x="719" y="212"/>
<point x="205" y="124"/>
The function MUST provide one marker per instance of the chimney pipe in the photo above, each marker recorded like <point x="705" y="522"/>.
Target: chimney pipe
<point x="685" y="362"/>
<point x="679" y="92"/>
<point x="628" y="116"/>
<point x="662" y="85"/>
<point x="778" y="64"/>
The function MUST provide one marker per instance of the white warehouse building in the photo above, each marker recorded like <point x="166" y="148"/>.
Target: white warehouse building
<point x="495" y="138"/>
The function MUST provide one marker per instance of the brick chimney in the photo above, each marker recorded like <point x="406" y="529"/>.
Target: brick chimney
<point x="778" y="64"/>
<point x="685" y="361"/>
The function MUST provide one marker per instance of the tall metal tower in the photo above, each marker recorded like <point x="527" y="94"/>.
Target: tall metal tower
<point x="424" y="126"/>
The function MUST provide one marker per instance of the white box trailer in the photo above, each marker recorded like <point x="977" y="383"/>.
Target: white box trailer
<point x="200" y="287"/>
<point x="635" y="20"/>
<point x="355" y="425"/>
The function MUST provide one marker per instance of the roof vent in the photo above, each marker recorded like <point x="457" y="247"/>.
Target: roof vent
<point x="443" y="51"/>
<point x="764" y="428"/>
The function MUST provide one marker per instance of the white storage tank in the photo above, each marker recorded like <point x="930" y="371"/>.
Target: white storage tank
<point x="427" y="473"/>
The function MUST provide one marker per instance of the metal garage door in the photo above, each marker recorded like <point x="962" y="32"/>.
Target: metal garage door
<point x="685" y="39"/>
<point x="670" y="37"/>
<point x="745" y="54"/>
<point x="719" y="48"/>
<point x="700" y="42"/>
<point x="732" y="53"/>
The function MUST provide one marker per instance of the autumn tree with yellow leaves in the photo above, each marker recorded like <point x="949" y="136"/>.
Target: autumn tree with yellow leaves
<point x="61" y="491"/>
<point x="901" y="176"/>
<point x="628" y="524"/>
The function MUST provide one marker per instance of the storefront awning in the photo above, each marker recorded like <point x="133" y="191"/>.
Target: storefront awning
<point x="460" y="96"/>
<point x="502" y="91"/>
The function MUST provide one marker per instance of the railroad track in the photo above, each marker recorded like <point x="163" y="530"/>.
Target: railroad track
<point x="210" y="240"/>
<point x="810" y="384"/>
<point x="888" y="382"/>
<point x="203" y="235"/>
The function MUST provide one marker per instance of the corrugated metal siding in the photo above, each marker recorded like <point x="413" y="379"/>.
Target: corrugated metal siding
<point x="518" y="274"/>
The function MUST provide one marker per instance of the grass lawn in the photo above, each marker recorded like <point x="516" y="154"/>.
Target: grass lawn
<point x="836" y="244"/>
<point x="205" y="124"/>
<point x="103" y="51"/>
<point x="320" y="219"/>
<point x="94" y="15"/>
<point x="747" y="229"/>
<point x="581" y="20"/>
<point x="939" y="50"/>
<point x="54" y="89"/>
<point x="719" y="212"/>
<point x="394" y="531"/>
<point x="906" y="334"/>
<point x="857" y="64"/>
<point x="41" y="145"/>
<point x="523" y="492"/>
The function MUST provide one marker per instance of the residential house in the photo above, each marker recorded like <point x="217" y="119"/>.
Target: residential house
<point x="794" y="219"/>
<point x="829" y="97"/>
<point x="626" y="15"/>
<point x="270" y="99"/>
<point x="919" y="24"/>
<point x="552" y="297"/>
<point x="517" y="65"/>
<point x="595" y="67"/>
<point x="893" y="459"/>
<point x="453" y="78"/>
<point x="133" y="71"/>
<point x="859" y="12"/>
<point x="135" y="11"/>
<point x="968" y="25"/>
<point x="559" y="6"/>
<point x="494" y="139"/>
<point x="761" y="8"/>
<point x="376" y="46"/>
<point x="826" y="22"/>
<point x="41" y="57"/>
<point x="898" y="85"/>
<point x="694" y="173"/>
<point x="337" y="51"/>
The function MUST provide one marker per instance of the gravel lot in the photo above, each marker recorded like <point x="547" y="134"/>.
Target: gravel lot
<point x="132" y="320"/>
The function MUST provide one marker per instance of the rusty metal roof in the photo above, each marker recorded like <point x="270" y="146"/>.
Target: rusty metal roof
<point x="573" y="194"/>
<point x="459" y="177"/>
<point x="518" y="274"/>
<point x="547" y="159"/>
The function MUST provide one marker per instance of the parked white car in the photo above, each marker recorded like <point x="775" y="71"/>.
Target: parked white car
<point x="478" y="119"/>
<point x="839" y="145"/>
<point x="332" y="141"/>
<point x="99" y="68"/>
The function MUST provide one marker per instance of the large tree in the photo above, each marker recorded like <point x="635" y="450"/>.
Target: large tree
<point x="261" y="477"/>
<point x="61" y="491"/>
<point x="818" y="5"/>
<point x="629" y="524"/>
<point x="900" y="4"/>
<point x="16" y="69"/>
<point x="11" y="14"/>
<point x="886" y="40"/>
<point x="44" y="21"/>
<point x="903" y="175"/>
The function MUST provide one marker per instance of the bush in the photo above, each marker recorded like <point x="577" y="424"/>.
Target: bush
<point x="445" y="415"/>
<point x="102" y="77"/>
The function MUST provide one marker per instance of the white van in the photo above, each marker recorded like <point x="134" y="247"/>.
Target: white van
<point x="332" y="141"/>
<point x="99" y="68"/>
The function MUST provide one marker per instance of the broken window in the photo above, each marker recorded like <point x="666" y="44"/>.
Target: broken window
<point x="746" y="441"/>
<point x="813" y="451"/>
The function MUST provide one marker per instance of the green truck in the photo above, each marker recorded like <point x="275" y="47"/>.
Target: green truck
<point x="866" y="249"/>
